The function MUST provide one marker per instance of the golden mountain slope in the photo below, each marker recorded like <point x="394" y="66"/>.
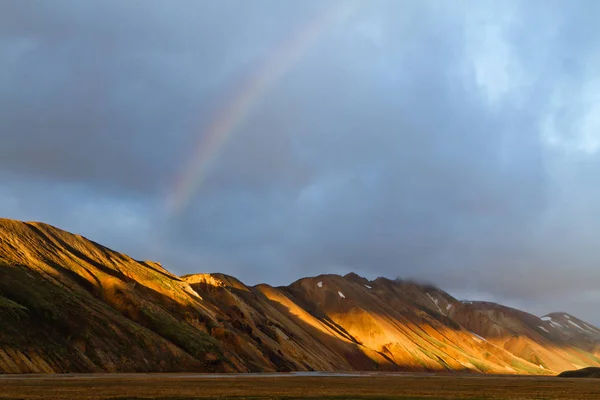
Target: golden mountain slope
<point x="71" y="305"/>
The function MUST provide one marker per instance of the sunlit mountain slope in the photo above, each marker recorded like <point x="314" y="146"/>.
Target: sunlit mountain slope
<point x="68" y="304"/>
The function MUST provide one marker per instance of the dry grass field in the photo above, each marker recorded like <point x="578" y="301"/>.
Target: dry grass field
<point x="174" y="386"/>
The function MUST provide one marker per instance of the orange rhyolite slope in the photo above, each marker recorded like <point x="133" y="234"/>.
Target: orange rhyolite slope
<point x="71" y="305"/>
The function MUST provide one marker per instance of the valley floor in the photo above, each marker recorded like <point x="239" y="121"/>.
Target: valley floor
<point x="285" y="386"/>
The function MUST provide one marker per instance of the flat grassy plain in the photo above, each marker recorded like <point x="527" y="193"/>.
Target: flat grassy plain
<point x="380" y="387"/>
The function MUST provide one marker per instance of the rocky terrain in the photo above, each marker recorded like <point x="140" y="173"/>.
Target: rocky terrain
<point x="68" y="304"/>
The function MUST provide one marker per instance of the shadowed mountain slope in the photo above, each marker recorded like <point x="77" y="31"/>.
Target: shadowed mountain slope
<point x="68" y="304"/>
<point x="590" y="372"/>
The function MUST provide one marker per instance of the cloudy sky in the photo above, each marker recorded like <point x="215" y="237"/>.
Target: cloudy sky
<point x="455" y="142"/>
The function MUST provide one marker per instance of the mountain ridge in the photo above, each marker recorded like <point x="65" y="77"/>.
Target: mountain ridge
<point x="68" y="304"/>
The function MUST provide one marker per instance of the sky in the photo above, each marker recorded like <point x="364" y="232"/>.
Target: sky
<point x="452" y="142"/>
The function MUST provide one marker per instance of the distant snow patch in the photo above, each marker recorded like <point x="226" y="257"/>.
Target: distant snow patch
<point x="555" y="324"/>
<point x="368" y="287"/>
<point x="575" y="325"/>
<point x="320" y="284"/>
<point x="546" y="319"/>
<point x="467" y="302"/>
<point x="478" y="338"/>
<point x="544" y="329"/>
<point x="449" y="306"/>
<point x="567" y="317"/>
<point x="342" y="295"/>
<point x="435" y="301"/>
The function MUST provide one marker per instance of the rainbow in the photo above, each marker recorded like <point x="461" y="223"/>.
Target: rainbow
<point x="212" y="140"/>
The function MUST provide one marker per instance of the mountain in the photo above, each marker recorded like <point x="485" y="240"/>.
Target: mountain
<point x="68" y="304"/>
<point x="589" y="372"/>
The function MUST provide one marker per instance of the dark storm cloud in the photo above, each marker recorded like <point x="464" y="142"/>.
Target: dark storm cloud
<point x="108" y="92"/>
<point x="454" y="144"/>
